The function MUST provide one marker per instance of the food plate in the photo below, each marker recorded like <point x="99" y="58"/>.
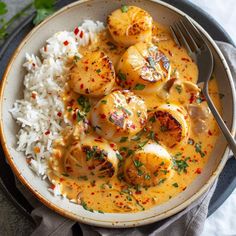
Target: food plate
<point x="166" y="15"/>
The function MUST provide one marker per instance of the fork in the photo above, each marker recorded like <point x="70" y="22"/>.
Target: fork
<point x="187" y="35"/>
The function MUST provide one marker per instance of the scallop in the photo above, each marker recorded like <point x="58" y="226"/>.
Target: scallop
<point x="130" y="25"/>
<point x="170" y="124"/>
<point x="121" y="114"/>
<point x="92" y="157"/>
<point x="148" y="167"/>
<point x="92" y="75"/>
<point x="143" y="67"/>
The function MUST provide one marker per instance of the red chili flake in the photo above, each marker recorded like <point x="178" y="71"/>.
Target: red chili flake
<point x="45" y="48"/>
<point x="69" y="169"/>
<point x="192" y="98"/>
<point x="117" y="196"/>
<point x="33" y="95"/>
<point x="185" y="59"/>
<point x="81" y="34"/>
<point x="33" y="64"/>
<point x="112" y="145"/>
<point x="103" y="116"/>
<point x="198" y="171"/>
<point x="184" y="188"/>
<point x="53" y="186"/>
<point x="61" y="180"/>
<point x="47" y="132"/>
<point x="81" y="86"/>
<point x="74" y="116"/>
<point x="210" y="133"/>
<point x="92" y="193"/>
<point x="66" y="43"/>
<point x="59" y="114"/>
<point x="138" y="192"/>
<point x="133" y="126"/>
<point x="170" y="53"/>
<point x="76" y="31"/>
<point x="98" y="140"/>
<point x="86" y="68"/>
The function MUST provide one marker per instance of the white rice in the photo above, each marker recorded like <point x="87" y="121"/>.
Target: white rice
<point x="39" y="112"/>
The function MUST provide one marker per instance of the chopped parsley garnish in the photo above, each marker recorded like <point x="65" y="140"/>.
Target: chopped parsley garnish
<point x="84" y="103"/>
<point x="121" y="76"/>
<point x="198" y="149"/>
<point x="83" y="177"/>
<point x="199" y="100"/>
<point x="164" y="171"/>
<point x="111" y="45"/>
<point x="80" y="115"/>
<point x="178" y="88"/>
<point x="99" y="211"/>
<point x="130" y="152"/>
<point x="139" y="113"/>
<point x="140" y="172"/>
<point x="111" y="119"/>
<point x="85" y="206"/>
<point x="135" y="138"/>
<point x="178" y="154"/>
<point x="142" y="144"/>
<point x="119" y="156"/>
<point x="161" y="181"/>
<point x="98" y="71"/>
<point x="180" y="165"/>
<point x="123" y="139"/>
<point x="151" y="135"/>
<point x="147" y="176"/>
<point x="137" y="163"/>
<point x="76" y="58"/>
<point x="104" y="101"/>
<point x="129" y="198"/>
<point x="123" y="149"/>
<point x="152" y="119"/>
<point x="175" y="185"/>
<point x="139" y="87"/>
<point x="65" y="174"/>
<point x="94" y="152"/>
<point x="124" y="8"/>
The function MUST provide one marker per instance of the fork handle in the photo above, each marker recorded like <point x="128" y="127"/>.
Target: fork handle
<point x="229" y="137"/>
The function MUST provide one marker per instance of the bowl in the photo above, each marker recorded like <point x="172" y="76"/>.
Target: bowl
<point x="12" y="87"/>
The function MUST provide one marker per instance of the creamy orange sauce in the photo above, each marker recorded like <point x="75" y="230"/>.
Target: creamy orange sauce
<point x="114" y="194"/>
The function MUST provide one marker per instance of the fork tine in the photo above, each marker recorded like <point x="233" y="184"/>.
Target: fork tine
<point x="189" y="37"/>
<point x="181" y="37"/>
<point x="175" y="36"/>
<point x="194" y="31"/>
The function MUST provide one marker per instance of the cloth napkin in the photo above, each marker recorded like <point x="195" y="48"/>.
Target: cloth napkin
<point x="189" y="222"/>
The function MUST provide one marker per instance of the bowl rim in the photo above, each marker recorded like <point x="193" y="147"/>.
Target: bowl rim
<point x="103" y="223"/>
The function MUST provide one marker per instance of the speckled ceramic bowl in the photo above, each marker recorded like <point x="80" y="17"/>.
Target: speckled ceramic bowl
<point x="12" y="87"/>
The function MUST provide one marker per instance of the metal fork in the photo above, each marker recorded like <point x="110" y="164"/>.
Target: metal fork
<point x="187" y="35"/>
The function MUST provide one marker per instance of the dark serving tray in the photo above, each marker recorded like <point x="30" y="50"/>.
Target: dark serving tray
<point x="227" y="179"/>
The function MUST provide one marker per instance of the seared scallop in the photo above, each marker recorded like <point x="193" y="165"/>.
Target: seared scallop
<point x="170" y="124"/>
<point x="148" y="167"/>
<point x="92" y="75"/>
<point x="119" y="114"/>
<point x="93" y="156"/>
<point x="143" y="67"/>
<point x="129" y="25"/>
